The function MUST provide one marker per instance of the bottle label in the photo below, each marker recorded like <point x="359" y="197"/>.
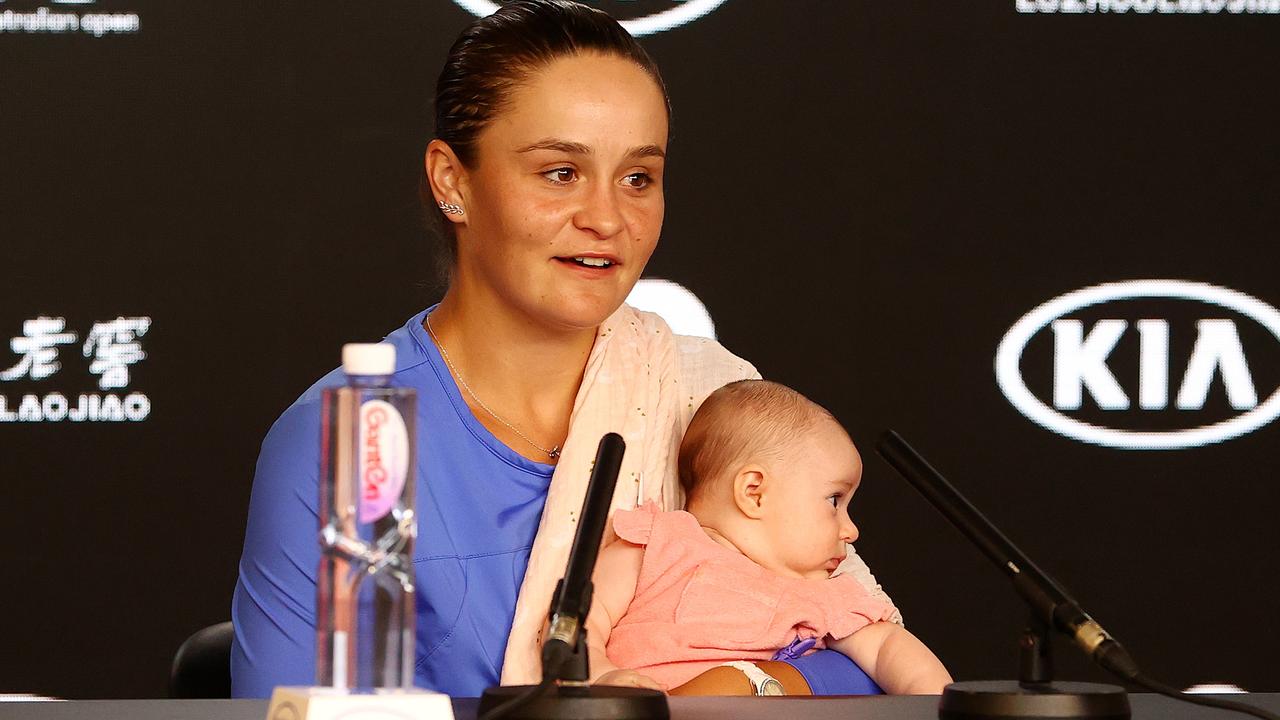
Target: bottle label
<point x="384" y="458"/>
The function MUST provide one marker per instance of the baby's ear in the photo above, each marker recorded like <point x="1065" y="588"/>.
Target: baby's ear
<point x="748" y="491"/>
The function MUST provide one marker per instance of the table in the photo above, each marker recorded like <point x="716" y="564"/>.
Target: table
<point x="872" y="707"/>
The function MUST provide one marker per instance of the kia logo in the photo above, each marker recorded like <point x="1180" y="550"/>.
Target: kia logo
<point x="1080" y="365"/>
<point x="652" y="17"/>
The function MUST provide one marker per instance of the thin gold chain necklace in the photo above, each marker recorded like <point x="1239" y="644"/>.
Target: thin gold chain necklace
<point x="553" y="453"/>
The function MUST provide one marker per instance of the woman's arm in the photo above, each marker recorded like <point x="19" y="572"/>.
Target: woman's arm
<point x="273" y="608"/>
<point x="895" y="659"/>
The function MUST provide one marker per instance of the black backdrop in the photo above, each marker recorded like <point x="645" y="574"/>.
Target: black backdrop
<point x="866" y="195"/>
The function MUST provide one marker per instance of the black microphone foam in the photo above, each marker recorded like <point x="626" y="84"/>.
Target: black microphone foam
<point x="572" y="598"/>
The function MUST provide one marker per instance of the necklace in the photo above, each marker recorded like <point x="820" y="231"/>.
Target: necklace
<point x="553" y="453"/>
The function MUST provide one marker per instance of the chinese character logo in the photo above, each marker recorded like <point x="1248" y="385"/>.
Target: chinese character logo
<point x="114" y="347"/>
<point x="38" y="348"/>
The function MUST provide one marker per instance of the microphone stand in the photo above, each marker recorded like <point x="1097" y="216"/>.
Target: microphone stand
<point x="1034" y="695"/>
<point x="565" y="691"/>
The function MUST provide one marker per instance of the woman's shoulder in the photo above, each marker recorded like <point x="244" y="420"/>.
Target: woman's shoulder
<point x="704" y="366"/>
<point x="302" y="417"/>
<point x="411" y="354"/>
<point x="701" y="361"/>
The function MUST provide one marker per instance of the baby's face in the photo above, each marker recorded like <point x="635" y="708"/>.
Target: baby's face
<point x="807" y="504"/>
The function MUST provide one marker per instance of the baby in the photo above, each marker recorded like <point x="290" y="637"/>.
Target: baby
<point x="746" y="571"/>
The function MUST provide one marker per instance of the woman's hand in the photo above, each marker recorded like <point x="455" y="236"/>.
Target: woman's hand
<point x="629" y="678"/>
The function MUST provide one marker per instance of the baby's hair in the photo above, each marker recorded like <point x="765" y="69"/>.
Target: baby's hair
<point x="741" y="421"/>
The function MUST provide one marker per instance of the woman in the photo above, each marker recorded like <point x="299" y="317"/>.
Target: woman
<point x="547" y="168"/>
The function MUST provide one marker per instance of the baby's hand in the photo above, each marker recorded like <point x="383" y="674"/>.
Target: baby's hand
<point x="629" y="678"/>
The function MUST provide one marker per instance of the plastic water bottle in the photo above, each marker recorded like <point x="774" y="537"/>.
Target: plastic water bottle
<point x="364" y="592"/>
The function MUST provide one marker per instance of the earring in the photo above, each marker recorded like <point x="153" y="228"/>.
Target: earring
<point x="450" y="208"/>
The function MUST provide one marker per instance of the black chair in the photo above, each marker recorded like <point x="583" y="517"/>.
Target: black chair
<point x="202" y="665"/>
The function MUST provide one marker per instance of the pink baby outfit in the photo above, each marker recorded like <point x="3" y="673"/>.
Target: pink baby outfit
<point x="699" y="604"/>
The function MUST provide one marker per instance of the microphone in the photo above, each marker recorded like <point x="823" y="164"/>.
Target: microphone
<point x="1047" y="599"/>
<point x="564" y="692"/>
<point x="572" y="599"/>
<point x="1034" y="695"/>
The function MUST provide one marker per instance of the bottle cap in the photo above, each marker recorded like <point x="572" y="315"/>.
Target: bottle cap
<point x="368" y="358"/>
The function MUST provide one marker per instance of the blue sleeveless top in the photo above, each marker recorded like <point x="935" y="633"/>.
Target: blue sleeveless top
<point x="479" y="504"/>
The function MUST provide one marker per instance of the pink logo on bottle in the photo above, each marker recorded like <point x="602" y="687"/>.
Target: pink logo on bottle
<point x="384" y="459"/>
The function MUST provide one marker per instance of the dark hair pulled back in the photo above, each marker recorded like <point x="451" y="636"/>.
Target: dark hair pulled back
<point x="496" y="54"/>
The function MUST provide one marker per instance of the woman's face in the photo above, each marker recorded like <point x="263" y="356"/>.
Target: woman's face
<point x="564" y="199"/>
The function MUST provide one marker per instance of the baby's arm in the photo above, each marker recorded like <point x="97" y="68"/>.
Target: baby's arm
<point x="895" y="659"/>
<point x="616" y="573"/>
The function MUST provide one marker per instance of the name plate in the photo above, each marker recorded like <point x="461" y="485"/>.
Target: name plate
<point x="320" y="703"/>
